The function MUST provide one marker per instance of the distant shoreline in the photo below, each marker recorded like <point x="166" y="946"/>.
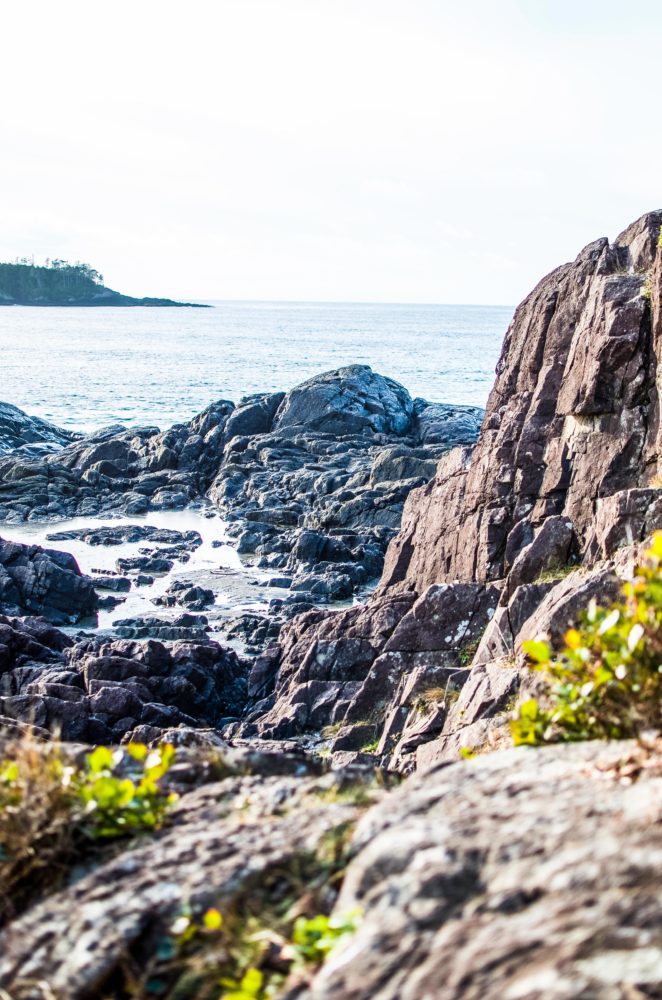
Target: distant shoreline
<point x="145" y="303"/>
<point x="59" y="283"/>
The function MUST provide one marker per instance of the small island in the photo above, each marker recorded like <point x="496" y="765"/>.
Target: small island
<point x="60" y="283"/>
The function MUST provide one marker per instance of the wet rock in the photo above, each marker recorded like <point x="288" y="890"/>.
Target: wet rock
<point x="183" y="627"/>
<point x="120" y="584"/>
<point x="142" y="564"/>
<point x="187" y="595"/>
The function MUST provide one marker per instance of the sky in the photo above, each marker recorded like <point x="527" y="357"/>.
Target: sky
<point x="329" y="150"/>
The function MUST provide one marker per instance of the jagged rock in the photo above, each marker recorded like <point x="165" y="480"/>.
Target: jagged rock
<point x="36" y="581"/>
<point x="322" y="660"/>
<point x="351" y="666"/>
<point x="527" y="873"/>
<point x="570" y="420"/>
<point x="183" y="627"/>
<point x="187" y="595"/>
<point x="549" y="550"/>
<point x="97" y="690"/>
<point x="440" y="423"/>
<point x="31" y="435"/>
<point x="278" y="465"/>
<point x="117" y="469"/>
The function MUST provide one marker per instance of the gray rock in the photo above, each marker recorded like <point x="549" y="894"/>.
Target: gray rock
<point x="527" y="873"/>
<point x="44" y="582"/>
<point x="352" y="400"/>
<point x="31" y="435"/>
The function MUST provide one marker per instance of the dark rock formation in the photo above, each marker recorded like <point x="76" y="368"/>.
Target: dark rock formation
<point x="314" y="479"/>
<point x="36" y="581"/>
<point x="97" y="691"/>
<point x="318" y="492"/>
<point x="31" y="434"/>
<point x="115" y="469"/>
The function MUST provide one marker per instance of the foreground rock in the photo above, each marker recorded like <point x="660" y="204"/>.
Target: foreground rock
<point x="242" y="844"/>
<point x="520" y="874"/>
<point x="496" y="877"/>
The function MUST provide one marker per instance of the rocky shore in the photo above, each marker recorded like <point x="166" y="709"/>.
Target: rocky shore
<point x="523" y="873"/>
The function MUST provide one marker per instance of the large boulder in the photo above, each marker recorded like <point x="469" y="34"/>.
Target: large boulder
<point x="352" y="400"/>
<point x="527" y="873"/>
<point x="36" y="581"/>
<point x="31" y="434"/>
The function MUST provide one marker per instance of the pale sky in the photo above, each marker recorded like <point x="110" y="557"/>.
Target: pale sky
<point x="341" y="150"/>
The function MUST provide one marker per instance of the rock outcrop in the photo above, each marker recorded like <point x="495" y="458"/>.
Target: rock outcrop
<point x="31" y="434"/>
<point x="101" y="691"/>
<point x="521" y="874"/>
<point x="526" y="873"/>
<point x="314" y="480"/>
<point x="36" y="581"/>
<point x="563" y="479"/>
<point x="571" y="424"/>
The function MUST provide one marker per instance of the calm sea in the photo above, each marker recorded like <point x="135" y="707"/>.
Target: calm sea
<point x="86" y="368"/>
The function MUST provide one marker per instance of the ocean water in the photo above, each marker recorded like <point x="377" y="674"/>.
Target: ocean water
<point x="86" y="368"/>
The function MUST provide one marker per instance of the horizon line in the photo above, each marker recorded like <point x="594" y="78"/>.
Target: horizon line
<point x="352" y="302"/>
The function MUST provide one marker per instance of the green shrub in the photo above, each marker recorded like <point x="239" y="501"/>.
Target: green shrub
<point x="51" y="807"/>
<point x="606" y="683"/>
<point x="221" y="958"/>
<point x="114" y="805"/>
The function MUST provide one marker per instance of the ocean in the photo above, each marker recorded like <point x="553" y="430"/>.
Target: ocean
<point x="87" y="368"/>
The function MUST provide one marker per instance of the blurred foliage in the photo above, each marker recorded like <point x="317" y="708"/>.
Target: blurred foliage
<point x="50" y="807"/>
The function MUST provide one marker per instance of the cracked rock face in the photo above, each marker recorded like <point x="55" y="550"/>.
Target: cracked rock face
<point x="44" y="582"/>
<point x="572" y="419"/>
<point x="521" y="874"/>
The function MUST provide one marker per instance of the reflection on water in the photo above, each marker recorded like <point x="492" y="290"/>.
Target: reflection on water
<point x="86" y="368"/>
<point x="207" y="562"/>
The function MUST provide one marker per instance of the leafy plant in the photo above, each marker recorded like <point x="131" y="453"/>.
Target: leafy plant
<point x="115" y="805"/>
<point x="606" y="682"/>
<point x="221" y="957"/>
<point x="50" y="807"/>
<point x="313" y="938"/>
